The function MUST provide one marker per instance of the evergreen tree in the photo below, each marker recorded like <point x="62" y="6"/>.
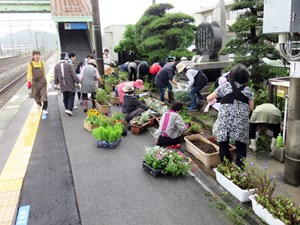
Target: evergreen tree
<point x="250" y="45"/>
<point x="128" y="42"/>
<point x="159" y="33"/>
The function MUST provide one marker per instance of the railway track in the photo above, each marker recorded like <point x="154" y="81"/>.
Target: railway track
<point x="11" y="88"/>
<point x="13" y="62"/>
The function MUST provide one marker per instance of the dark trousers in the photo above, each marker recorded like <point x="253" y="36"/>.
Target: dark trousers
<point x="69" y="100"/>
<point x="162" y="92"/>
<point x="132" y="74"/>
<point x="240" y="152"/>
<point x="195" y="92"/>
<point x="45" y="105"/>
<point x="274" y="127"/>
<point x="134" y="113"/>
<point x="166" y="141"/>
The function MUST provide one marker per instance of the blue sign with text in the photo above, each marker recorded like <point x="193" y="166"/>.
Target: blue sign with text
<point x="76" y="26"/>
<point x="23" y="215"/>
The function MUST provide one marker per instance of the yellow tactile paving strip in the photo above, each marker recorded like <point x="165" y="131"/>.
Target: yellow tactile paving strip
<point x="12" y="176"/>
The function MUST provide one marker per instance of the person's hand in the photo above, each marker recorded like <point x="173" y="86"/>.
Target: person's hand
<point x="29" y="84"/>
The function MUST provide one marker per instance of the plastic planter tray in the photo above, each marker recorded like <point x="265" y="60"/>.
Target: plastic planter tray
<point x="263" y="213"/>
<point x="236" y="191"/>
<point x="104" y="144"/>
<point x="153" y="172"/>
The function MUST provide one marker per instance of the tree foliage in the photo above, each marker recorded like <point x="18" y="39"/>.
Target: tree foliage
<point x="128" y="42"/>
<point x="159" y="34"/>
<point x="250" y="46"/>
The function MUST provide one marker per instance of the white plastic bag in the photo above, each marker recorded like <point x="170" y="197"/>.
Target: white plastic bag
<point x="215" y="128"/>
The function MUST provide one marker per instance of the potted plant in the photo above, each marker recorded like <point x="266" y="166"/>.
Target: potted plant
<point x="159" y="161"/>
<point x="119" y="118"/>
<point x="139" y="123"/>
<point x="111" y="82"/>
<point x="277" y="210"/>
<point x="202" y="149"/>
<point x="102" y="104"/>
<point x="156" y="105"/>
<point x="108" y="137"/>
<point x="195" y="128"/>
<point x="92" y="119"/>
<point x="240" y="183"/>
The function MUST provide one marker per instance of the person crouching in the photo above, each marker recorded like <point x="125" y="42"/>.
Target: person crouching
<point x="171" y="127"/>
<point x="132" y="106"/>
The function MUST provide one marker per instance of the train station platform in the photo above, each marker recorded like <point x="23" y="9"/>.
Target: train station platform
<point x="52" y="164"/>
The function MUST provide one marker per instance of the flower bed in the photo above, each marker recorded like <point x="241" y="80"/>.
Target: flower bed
<point x="164" y="161"/>
<point x="236" y="191"/>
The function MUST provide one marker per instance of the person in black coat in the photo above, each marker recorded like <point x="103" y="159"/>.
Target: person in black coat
<point x="163" y="80"/>
<point x="132" y="106"/>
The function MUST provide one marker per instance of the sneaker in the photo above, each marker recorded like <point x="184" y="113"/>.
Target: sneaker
<point x="75" y="107"/>
<point x="174" y="146"/>
<point x="69" y="112"/>
<point x="192" y="108"/>
<point x="45" y="112"/>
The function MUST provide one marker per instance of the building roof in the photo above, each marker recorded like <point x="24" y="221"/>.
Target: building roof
<point x="63" y="9"/>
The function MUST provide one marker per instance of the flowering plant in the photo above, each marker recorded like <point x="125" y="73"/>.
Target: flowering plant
<point x="169" y="161"/>
<point x="244" y="178"/>
<point x="96" y="118"/>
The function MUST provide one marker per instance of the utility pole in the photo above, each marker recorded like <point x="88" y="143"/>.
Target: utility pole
<point x="36" y="41"/>
<point x="153" y="2"/>
<point x="97" y="33"/>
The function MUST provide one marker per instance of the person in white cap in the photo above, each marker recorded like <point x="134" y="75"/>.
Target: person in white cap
<point x="197" y="81"/>
<point x="132" y="106"/>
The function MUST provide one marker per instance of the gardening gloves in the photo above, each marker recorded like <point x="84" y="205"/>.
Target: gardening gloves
<point x="29" y="84"/>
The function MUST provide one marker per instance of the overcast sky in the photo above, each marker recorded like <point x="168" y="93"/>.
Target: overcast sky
<point x="111" y="12"/>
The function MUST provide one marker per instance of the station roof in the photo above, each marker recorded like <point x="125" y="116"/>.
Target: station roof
<point x="71" y="10"/>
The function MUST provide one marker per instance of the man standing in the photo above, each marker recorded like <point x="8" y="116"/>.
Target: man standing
<point x="197" y="81"/>
<point x="65" y="76"/>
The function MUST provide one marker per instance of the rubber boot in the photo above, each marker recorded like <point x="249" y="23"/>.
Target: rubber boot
<point x="273" y="143"/>
<point x="256" y="135"/>
<point x="253" y="145"/>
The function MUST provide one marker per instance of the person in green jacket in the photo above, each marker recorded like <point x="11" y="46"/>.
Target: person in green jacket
<point x="264" y="114"/>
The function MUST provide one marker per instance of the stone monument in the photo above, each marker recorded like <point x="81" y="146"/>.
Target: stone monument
<point x="210" y="38"/>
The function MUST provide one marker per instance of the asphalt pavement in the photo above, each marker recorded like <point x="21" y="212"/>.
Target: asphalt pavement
<point x="112" y="188"/>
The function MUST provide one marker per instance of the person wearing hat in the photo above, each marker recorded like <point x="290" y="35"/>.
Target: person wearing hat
<point x="36" y="81"/>
<point x="197" y="81"/>
<point x="138" y="84"/>
<point x="65" y="76"/>
<point x="163" y="80"/>
<point x="89" y="75"/>
<point x="132" y="106"/>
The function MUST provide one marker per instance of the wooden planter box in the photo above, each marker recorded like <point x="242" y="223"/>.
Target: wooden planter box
<point x="263" y="213"/>
<point x="209" y="160"/>
<point x="115" y="101"/>
<point x="236" y="191"/>
<point x="135" y="129"/>
<point x="103" y="109"/>
<point x="89" y="126"/>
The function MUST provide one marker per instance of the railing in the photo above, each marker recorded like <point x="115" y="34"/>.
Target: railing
<point x="24" y="2"/>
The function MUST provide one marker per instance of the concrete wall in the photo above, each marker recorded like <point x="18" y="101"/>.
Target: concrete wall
<point x="112" y="36"/>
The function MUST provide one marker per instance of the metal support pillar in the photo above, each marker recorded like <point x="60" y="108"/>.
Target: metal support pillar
<point x="292" y="154"/>
<point x="98" y="37"/>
